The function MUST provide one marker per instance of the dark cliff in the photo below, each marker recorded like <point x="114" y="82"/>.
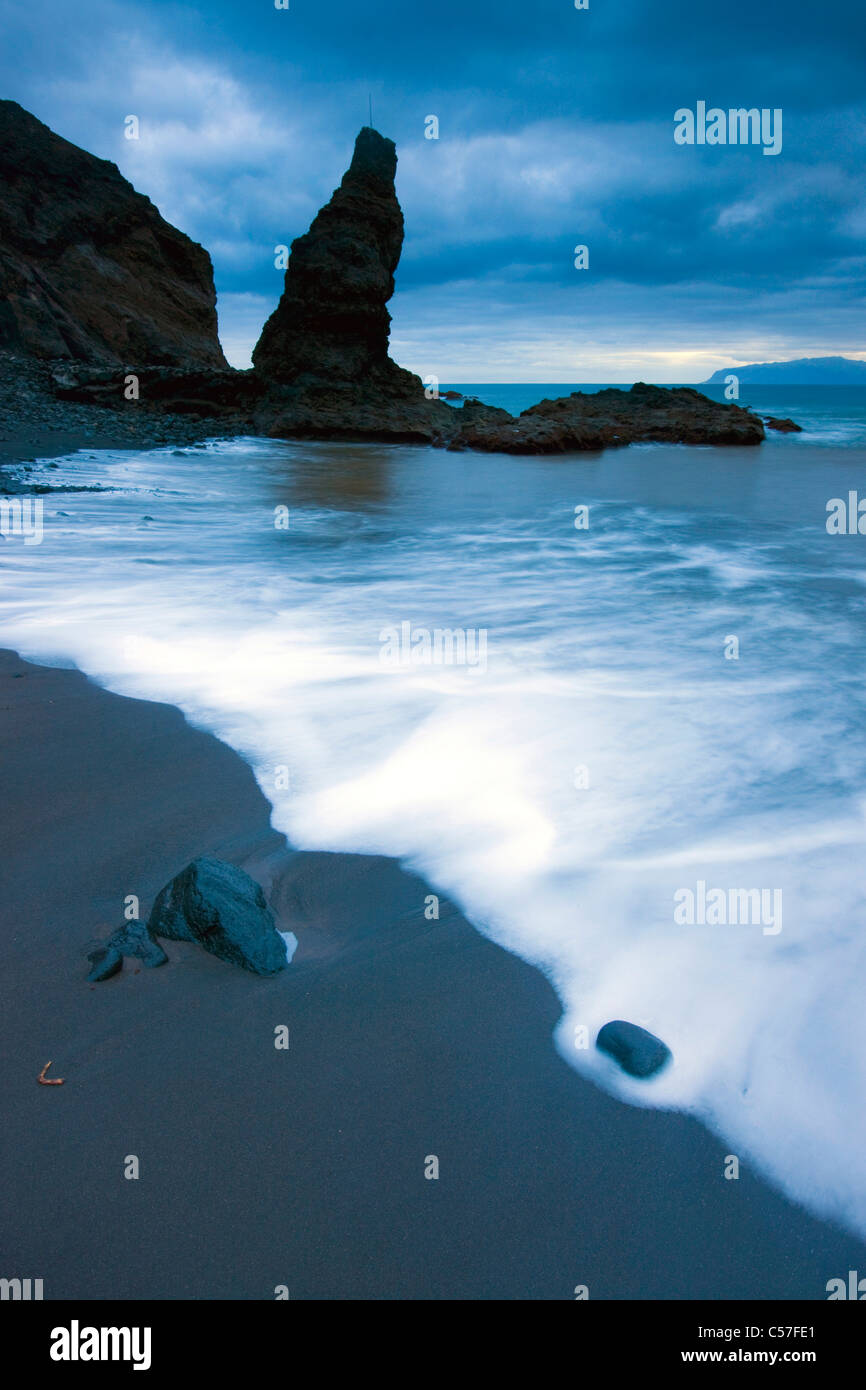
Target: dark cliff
<point x="89" y="270"/>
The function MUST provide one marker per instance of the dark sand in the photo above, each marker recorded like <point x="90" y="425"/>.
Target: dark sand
<point x="44" y="442"/>
<point x="306" y="1168"/>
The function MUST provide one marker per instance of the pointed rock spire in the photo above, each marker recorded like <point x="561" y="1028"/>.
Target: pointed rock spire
<point x="331" y="323"/>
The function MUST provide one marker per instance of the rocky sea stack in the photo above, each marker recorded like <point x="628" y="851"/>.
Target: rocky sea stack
<point x="332" y="323"/>
<point x="324" y="351"/>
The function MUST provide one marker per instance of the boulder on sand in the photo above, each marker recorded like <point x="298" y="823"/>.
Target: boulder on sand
<point x="221" y="908"/>
<point x="638" y="1052"/>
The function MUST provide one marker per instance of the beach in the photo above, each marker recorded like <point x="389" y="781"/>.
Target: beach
<point x="304" y="1169"/>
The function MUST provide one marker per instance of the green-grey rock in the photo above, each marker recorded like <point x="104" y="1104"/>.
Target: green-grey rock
<point x="221" y="908"/>
<point x="105" y="961"/>
<point x="132" y="939"/>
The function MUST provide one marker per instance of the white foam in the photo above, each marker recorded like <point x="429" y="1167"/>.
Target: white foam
<point x="291" y="944"/>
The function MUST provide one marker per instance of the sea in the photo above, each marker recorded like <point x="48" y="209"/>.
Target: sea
<point x="611" y="705"/>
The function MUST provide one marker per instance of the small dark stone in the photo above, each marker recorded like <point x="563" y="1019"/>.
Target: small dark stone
<point x="105" y="961"/>
<point x="134" y="939"/>
<point x="222" y="909"/>
<point x="783" y="425"/>
<point x="638" y="1052"/>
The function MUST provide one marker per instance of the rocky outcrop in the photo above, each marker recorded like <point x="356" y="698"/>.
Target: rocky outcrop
<point x="399" y="412"/>
<point x="221" y="908"/>
<point x="610" y="419"/>
<point x="205" y="394"/>
<point x="393" y="410"/>
<point x="782" y="424"/>
<point x="639" y="1052"/>
<point x="89" y="270"/>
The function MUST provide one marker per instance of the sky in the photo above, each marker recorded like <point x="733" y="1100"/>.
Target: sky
<point x="556" y="129"/>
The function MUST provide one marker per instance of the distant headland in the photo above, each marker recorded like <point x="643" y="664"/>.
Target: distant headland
<point x="801" y="371"/>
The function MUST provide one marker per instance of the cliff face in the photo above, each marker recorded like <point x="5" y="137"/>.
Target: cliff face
<point x="331" y="323"/>
<point x="89" y="270"/>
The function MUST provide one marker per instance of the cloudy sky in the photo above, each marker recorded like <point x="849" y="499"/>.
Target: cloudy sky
<point x="555" y="129"/>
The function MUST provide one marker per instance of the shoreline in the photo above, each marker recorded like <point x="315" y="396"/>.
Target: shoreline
<point x="36" y="424"/>
<point x="305" y="1168"/>
<point x="46" y="411"/>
